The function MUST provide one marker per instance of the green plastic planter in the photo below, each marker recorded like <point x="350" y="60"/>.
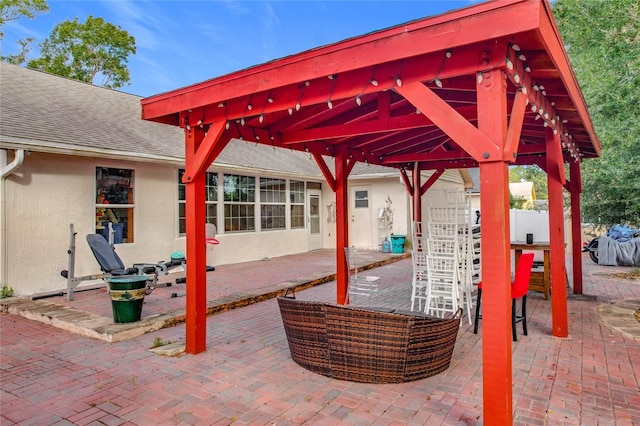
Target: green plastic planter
<point x="127" y="296"/>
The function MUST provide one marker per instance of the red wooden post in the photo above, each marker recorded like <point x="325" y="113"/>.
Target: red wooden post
<point x="196" y="311"/>
<point x="342" y="225"/>
<point x="556" y="236"/>
<point x="576" y="225"/>
<point x="417" y="195"/>
<point x="496" y="255"/>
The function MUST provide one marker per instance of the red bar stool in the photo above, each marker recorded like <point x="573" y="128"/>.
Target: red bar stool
<point x="519" y="290"/>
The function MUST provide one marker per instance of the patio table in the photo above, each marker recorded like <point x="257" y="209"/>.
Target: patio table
<point x="540" y="280"/>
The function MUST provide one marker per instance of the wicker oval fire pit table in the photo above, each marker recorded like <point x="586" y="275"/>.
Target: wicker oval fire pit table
<point x="368" y="345"/>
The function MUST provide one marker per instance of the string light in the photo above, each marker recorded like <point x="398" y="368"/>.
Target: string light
<point x="335" y="79"/>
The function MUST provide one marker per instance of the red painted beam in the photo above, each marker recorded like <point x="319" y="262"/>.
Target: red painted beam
<point x="407" y="182"/>
<point x="559" y="318"/>
<point x="342" y="226"/>
<point x="463" y="133"/>
<point x="196" y="304"/>
<point x="496" y="254"/>
<point x="515" y="125"/>
<point x="417" y="195"/>
<point x="430" y="35"/>
<point x="576" y="225"/>
<point x="207" y="150"/>
<point x="432" y="179"/>
<point x="325" y="171"/>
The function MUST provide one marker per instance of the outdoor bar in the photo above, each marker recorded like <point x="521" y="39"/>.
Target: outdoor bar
<point x="486" y="86"/>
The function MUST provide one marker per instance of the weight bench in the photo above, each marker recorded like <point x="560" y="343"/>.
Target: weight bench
<point x="111" y="264"/>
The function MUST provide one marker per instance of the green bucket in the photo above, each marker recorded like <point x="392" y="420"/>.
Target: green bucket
<point x="127" y="296"/>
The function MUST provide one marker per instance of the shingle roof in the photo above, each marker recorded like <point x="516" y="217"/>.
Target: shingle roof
<point x="44" y="112"/>
<point x="474" y="173"/>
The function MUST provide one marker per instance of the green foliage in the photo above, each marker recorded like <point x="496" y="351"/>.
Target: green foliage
<point x="158" y="342"/>
<point x="603" y="42"/>
<point x="6" y="291"/>
<point x="12" y="10"/>
<point x="87" y="51"/>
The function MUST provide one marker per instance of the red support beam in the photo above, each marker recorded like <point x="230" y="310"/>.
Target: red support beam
<point x="196" y="311"/>
<point x="556" y="236"/>
<point x="325" y="171"/>
<point x="496" y="253"/>
<point x="342" y="225"/>
<point x="515" y="124"/>
<point x="576" y="225"/>
<point x="407" y="182"/>
<point x="209" y="147"/>
<point x="432" y="179"/>
<point x="416" y="196"/>
<point x="457" y="127"/>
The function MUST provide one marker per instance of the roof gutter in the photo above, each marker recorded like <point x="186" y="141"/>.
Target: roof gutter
<point x="5" y="171"/>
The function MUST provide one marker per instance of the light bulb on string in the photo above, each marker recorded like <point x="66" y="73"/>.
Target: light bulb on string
<point x="509" y="64"/>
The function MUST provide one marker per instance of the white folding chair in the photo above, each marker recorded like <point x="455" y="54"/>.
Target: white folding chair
<point x="420" y="284"/>
<point x="360" y="286"/>
<point x="442" y="295"/>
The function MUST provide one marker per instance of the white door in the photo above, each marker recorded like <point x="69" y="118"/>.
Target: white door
<point x="360" y="228"/>
<point x="313" y="219"/>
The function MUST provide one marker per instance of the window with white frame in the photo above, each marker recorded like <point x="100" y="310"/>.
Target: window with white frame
<point x="296" y="200"/>
<point x="239" y="203"/>
<point x="115" y="204"/>
<point x="273" y="198"/>
<point x="211" y="201"/>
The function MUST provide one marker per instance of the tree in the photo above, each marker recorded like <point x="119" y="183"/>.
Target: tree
<point x="602" y="39"/>
<point x="86" y="52"/>
<point x="12" y="10"/>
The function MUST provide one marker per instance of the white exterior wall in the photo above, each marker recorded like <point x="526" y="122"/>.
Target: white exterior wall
<point x="49" y="192"/>
<point x="393" y="187"/>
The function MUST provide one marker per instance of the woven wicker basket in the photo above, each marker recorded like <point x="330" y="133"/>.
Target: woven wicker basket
<point x="367" y="345"/>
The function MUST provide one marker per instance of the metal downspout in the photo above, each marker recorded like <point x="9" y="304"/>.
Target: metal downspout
<point x="6" y="170"/>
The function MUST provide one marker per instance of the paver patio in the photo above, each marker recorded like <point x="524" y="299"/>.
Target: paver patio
<point x="50" y="376"/>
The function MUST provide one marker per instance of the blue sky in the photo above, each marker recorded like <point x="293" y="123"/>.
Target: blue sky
<point x="184" y="42"/>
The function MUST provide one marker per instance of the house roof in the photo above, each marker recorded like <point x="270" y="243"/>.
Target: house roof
<point x="474" y="174"/>
<point x="522" y="190"/>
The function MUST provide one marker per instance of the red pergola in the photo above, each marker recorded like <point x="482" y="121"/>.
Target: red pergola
<point x="486" y="86"/>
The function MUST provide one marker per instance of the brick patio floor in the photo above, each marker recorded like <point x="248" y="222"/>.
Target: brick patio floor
<point x="247" y="377"/>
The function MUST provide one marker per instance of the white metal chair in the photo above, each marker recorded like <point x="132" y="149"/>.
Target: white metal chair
<point x="420" y="284"/>
<point x="360" y="286"/>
